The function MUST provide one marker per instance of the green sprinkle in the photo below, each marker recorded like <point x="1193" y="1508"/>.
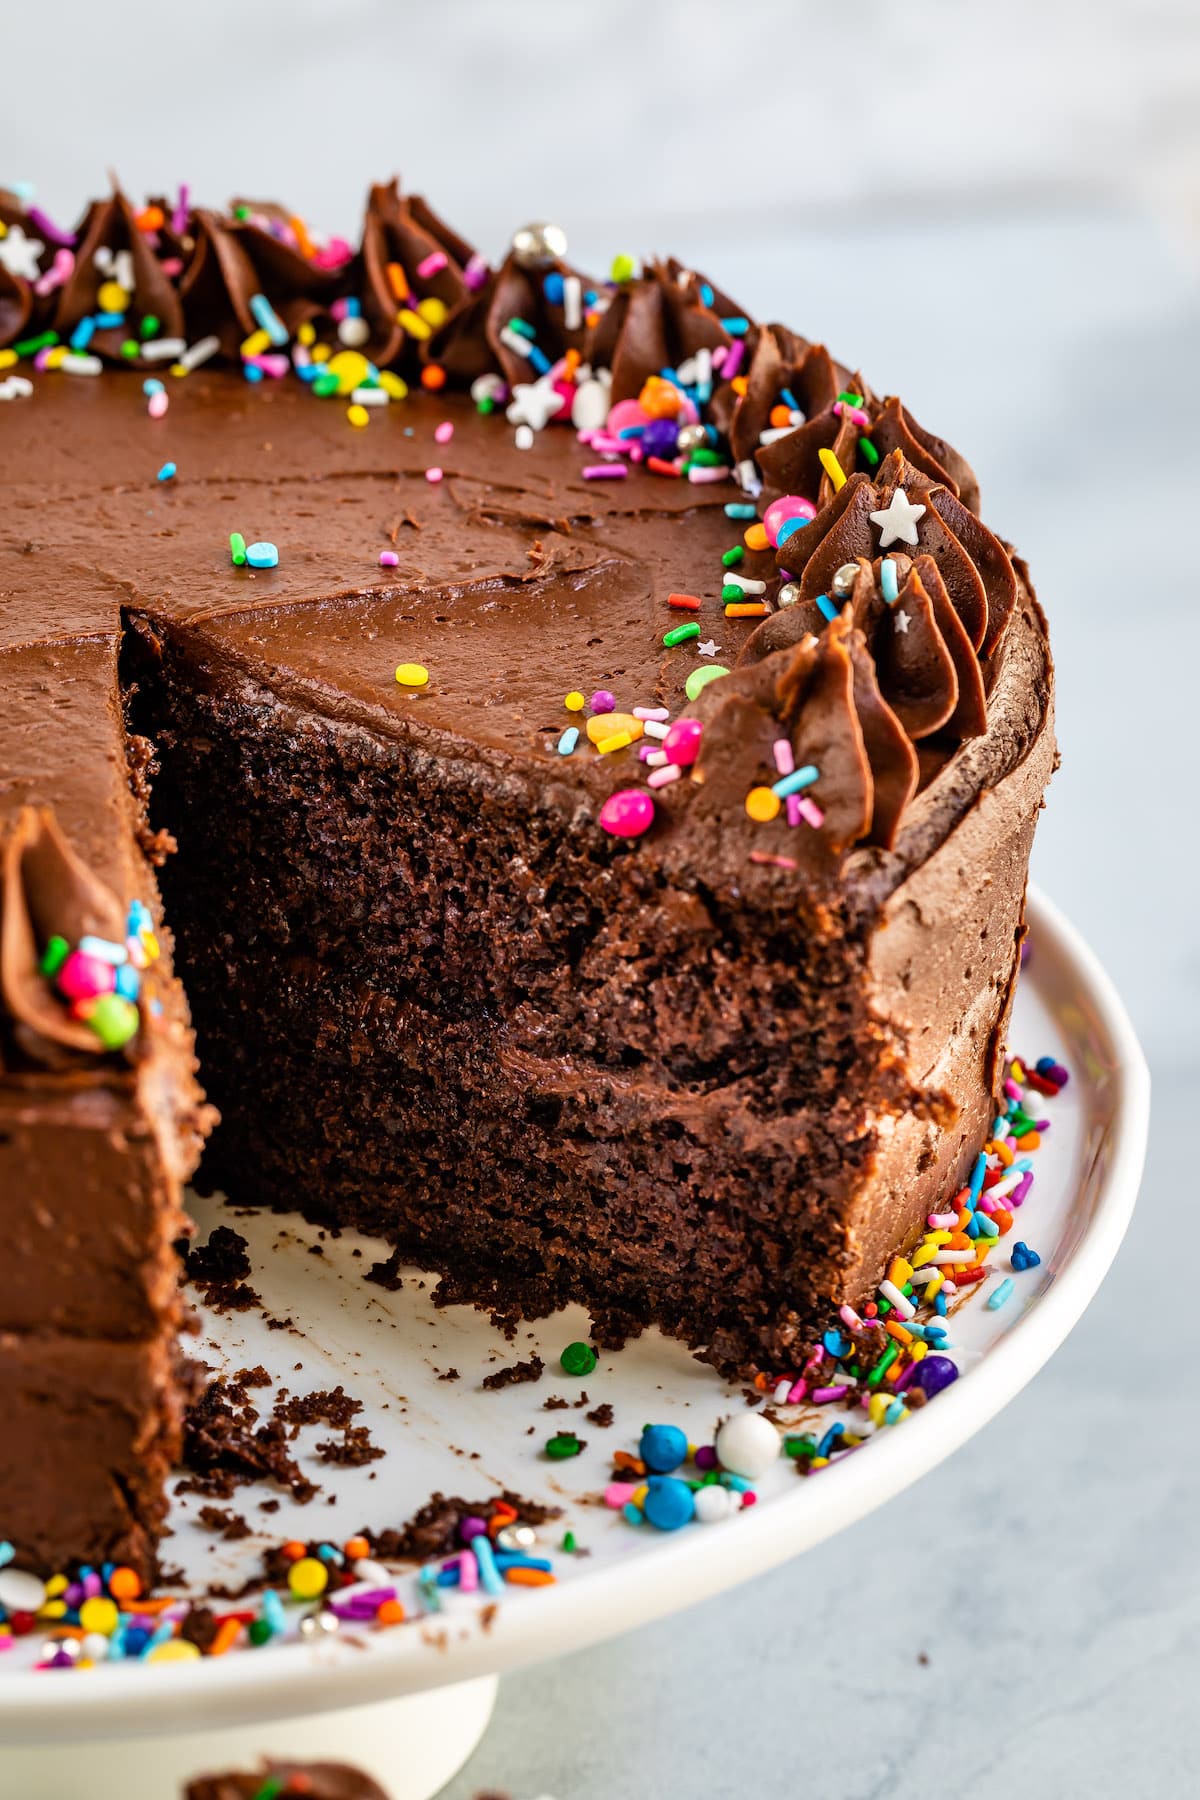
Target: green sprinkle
<point x="114" y="1020"/>
<point x="731" y="591"/>
<point x="732" y="557"/>
<point x="699" y="679"/>
<point x="485" y="405"/>
<point x="869" y="451"/>
<point x="326" y="384"/>
<point x="129" y="349"/>
<point x="800" y="1446"/>
<point x="259" y="1632"/>
<point x="237" y="548"/>
<point x="54" y="956"/>
<point x="851" y="399"/>
<point x="523" y="328"/>
<point x="241" y="212"/>
<point x="149" y="326"/>
<point x="708" y="459"/>
<point x="682" y="633"/>
<point x="578" y="1359"/>
<point x="884" y="1364"/>
<point x="31" y="346"/>
<point x="624" y="268"/>
<point x="271" y="1788"/>
<point x="568" y="1543"/>
<point x="563" y="1445"/>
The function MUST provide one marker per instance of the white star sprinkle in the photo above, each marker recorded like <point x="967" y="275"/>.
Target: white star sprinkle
<point x="534" y="403"/>
<point x="19" y="253"/>
<point x="897" y="521"/>
<point x="709" y="647"/>
<point x="902" y="620"/>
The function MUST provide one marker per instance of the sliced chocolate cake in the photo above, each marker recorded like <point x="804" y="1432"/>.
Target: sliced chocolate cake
<point x="589" y="748"/>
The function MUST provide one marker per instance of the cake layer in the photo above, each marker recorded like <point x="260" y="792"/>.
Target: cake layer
<point x="91" y="1429"/>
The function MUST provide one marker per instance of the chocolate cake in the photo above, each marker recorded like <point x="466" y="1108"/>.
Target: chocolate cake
<point x="287" y="1781"/>
<point x="596" y="867"/>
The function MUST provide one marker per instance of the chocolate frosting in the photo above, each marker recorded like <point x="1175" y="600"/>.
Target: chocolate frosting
<point x="46" y="889"/>
<point x="313" y="1781"/>
<point x="915" y="671"/>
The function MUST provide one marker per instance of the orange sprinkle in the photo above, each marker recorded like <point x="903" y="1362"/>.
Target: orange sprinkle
<point x="780" y="416"/>
<point x="294" y="1550"/>
<point x="433" y="377"/>
<point x="228" y="1633"/>
<point x="391" y="1612"/>
<point x="1005" y="1154"/>
<point x="745" y="609"/>
<point x="157" y="1605"/>
<point x="529" y="1577"/>
<point x="760" y="1382"/>
<point x="397" y="281"/>
<point x="124" y="1584"/>
<point x="898" y="1332"/>
<point x="151" y="218"/>
<point x="755" y="537"/>
<point x="356" y="1548"/>
<point x="1003" y="1219"/>
<point x="623" y="1460"/>
<point x="572" y="360"/>
<point x="307" y="248"/>
<point x="739" y="384"/>
<point x="1031" y="1141"/>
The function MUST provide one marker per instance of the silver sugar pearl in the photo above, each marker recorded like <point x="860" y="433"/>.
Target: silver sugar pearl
<point x="843" y="580"/>
<point x="516" y="1537"/>
<point x="788" y="594"/>
<point x="691" y="437"/>
<point x="319" y="1624"/>
<point x="534" y="245"/>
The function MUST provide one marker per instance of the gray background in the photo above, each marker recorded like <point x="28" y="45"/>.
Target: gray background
<point x="997" y="216"/>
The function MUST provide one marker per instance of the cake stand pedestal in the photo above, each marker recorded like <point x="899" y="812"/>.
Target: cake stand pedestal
<point x="411" y="1745"/>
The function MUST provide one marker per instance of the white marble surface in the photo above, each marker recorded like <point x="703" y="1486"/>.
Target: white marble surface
<point x="1062" y="1618"/>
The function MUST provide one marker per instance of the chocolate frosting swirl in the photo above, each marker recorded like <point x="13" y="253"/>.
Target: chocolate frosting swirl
<point x="109" y="225"/>
<point x="47" y="889"/>
<point x="231" y="261"/>
<point x="399" y="234"/>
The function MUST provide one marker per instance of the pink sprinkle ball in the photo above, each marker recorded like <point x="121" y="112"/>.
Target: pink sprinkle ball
<point x="788" y="506"/>
<point x="434" y="474"/>
<point x="388" y="559"/>
<point x="682" y="742"/>
<point x="85" y="977"/>
<point x="627" y="813"/>
<point x="157" y="405"/>
<point x="602" y="701"/>
<point x="444" y="432"/>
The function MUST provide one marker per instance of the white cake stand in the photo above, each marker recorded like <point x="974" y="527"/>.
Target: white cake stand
<point x="410" y="1704"/>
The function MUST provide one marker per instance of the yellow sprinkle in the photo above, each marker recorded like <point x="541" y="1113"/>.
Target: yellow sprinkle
<point x="819" y="1462"/>
<point x="832" y="468"/>
<point x="923" y="1254"/>
<point x="7" y="358"/>
<point x="917" y="1350"/>
<point x="574" y="701"/>
<point x="57" y="1584"/>
<point x="413" y="323"/>
<point x="763" y="805"/>
<point x="755" y="537"/>
<point x="620" y="740"/>
<point x="178" y="369"/>
<point x="99" y="1614"/>
<point x="639" y="1494"/>
<point x="308" y="1577"/>
<point x="358" y="415"/>
<point x="602" y="726"/>
<point x="53" y="1609"/>
<point x="393" y="385"/>
<point x="256" y="343"/>
<point x="900" y="1271"/>
<point x="3" y="229"/>
<point x="321" y="353"/>
<point x="1017" y="1072"/>
<point x="111" y="297"/>
<point x="935" y="1286"/>
<point x="307" y="334"/>
<point x="412" y="675"/>
<point x="174" y="1650"/>
<point x="433" y="310"/>
<point x="57" y="357"/>
<point x="351" y="368"/>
